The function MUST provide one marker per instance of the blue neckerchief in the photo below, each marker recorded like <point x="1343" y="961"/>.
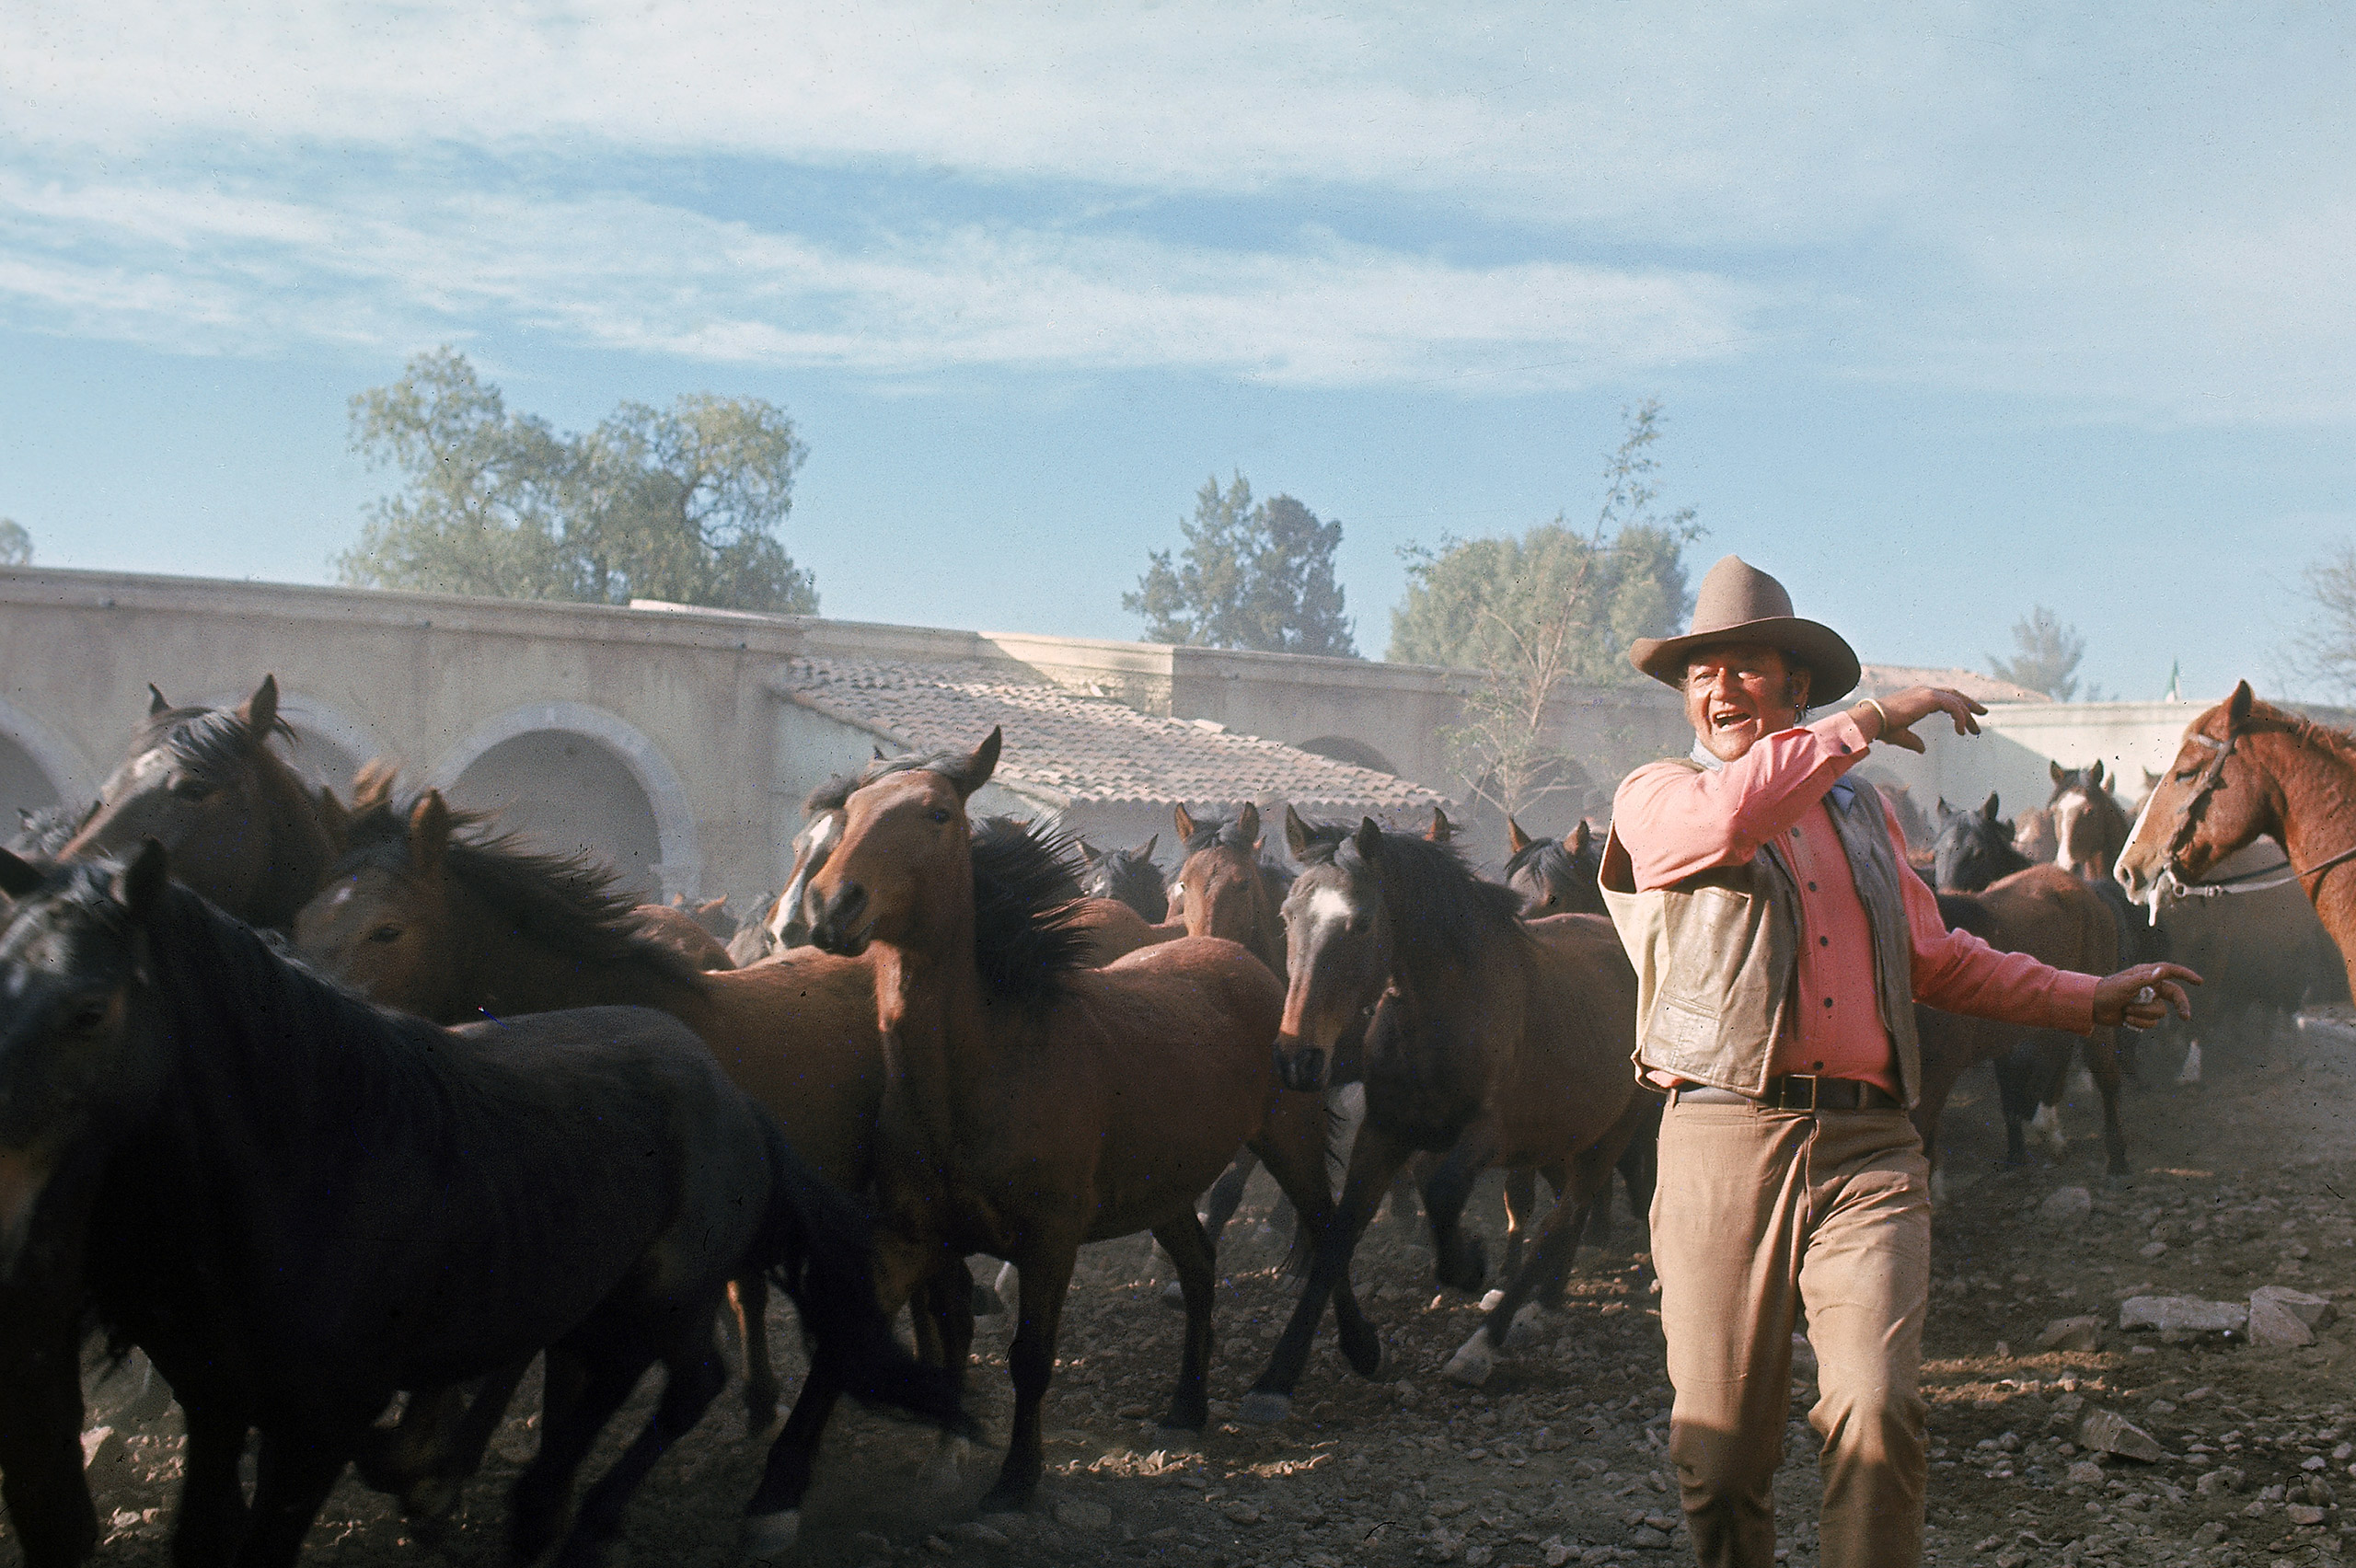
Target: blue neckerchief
<point x="1842" y="791"/>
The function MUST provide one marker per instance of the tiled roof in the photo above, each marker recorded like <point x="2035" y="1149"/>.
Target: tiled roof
<point x="1880" y="680"/>
<point x="1069" y="748"/>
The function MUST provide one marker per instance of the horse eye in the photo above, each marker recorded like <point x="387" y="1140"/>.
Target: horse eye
<point x="90" y="1018"/>
<point x="386" y="934"/>
<point x="941" y="813"/>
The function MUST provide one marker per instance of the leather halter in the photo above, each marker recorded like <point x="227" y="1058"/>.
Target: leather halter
<point x="2172" y="882"/>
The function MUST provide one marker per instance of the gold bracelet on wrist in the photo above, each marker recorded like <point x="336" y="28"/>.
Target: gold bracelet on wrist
<point x="1878" y="713"/>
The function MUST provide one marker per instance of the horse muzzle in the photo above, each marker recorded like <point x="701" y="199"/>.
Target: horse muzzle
<point x="835" y="924"/>
<point x="1301" y="1069"/>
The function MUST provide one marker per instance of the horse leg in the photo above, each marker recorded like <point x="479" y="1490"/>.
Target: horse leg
<point x="1030" y="1364"/>
<point x="2053" y="1061"/>
<point x="749" y="1300"/>
<point x="692" y="1378"/>
<point x="213" y="1498"/>
<point x="1458" y="1259"/>
<point x="1548" y="1292"/>
<point x="1190" y="1252"/>
<point x="2018" y="1097"/>
<point x="1522" y="1208"/>
<point x="537" y="1504"/>
<point x="1296" y="1143"/>
<point x="1375" y="1158"/>
<point x="1557" y="1246"/>
<point x="773" y="1517"/>
<point x="2103" y="1066"/>
<point x="1219" y="1206"/>
<point x="292" y="1479"/>
<point x="943" y="1308"/>
<point x="40" y="1453"/>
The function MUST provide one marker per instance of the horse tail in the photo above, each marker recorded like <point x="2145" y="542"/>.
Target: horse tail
<point x="817" y="1246"/>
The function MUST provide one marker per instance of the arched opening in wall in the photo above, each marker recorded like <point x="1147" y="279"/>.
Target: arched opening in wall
<point x="1342" y="748"/>
<point x="24" y="787"/>
<point x="569" y="794"/>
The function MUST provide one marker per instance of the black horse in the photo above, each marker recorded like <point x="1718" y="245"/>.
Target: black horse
<point x="1555" y="876"/>
<point x="1128" y="875"/>
<point x="307" y="1204"/>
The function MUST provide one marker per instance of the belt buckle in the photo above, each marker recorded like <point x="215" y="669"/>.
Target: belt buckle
<point x="1814" y="1081"/>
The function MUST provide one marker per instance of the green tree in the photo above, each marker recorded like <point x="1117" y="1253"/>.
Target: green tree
<point x="1557" y="606"/>
<point x="680" y="504"/>
<point x="1251" y="576"/>
<point x="2045" y="656"/>
<point x="16" y="545"/>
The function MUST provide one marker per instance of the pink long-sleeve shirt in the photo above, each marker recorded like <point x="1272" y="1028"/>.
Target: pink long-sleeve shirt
<point x="1675" y="822"/>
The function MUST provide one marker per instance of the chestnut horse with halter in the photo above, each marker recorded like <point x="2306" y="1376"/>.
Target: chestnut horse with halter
<point x="2247" y="767"/>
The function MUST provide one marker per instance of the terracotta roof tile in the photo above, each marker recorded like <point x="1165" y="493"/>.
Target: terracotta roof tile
<point x="1072" y="748"/>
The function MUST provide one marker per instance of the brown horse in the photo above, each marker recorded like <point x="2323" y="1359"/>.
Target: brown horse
<point x="675" y="928"/>
<point x="2245" y="770"/>
<point x="1037" y="1105"/>
<point x="2089" y="824"/>
<point x="1554" y="876"/>
<point x="421" y="915"/>
<point x="240" y="828"/>
<point x="1494" y="1040"/>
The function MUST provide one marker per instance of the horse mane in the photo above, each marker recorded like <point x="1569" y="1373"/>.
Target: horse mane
<point x="1429" y="885"/>
<point x="207" y="741"/>
<point x="1026" y="895"/>
<point x="568" y="901"/>
<point x="2309" y="732"/>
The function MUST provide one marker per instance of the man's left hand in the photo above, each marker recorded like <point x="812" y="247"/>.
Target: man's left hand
<point x="2140" y="997"/>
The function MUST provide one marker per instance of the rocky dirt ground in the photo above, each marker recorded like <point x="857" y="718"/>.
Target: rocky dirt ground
<point x="2241" y="1181"/>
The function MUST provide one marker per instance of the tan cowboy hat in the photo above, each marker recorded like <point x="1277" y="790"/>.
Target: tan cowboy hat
<point x="1739" y="603"/>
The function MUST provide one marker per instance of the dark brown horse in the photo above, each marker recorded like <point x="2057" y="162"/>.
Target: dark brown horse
<point x="2053" y="915"/>
<point x="1554" y="876"/>
<point x="1493" y="1042"/>
<point x="308" y="1204"/>
<point x="242" y="829"/>
<point x="2089" y="824"/>
<point x="1044" y="1105"/>
<point x="1129" y="875"/>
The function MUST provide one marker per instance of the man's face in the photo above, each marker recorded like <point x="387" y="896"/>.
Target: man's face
<point x="1734" y="695"/>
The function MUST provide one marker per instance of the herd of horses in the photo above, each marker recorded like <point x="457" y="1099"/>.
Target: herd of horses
<point x="344" y="1111"/>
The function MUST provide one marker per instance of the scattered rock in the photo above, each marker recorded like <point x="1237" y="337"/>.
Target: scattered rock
<point x="2313" y="1310"/>
<point x="2219" y="1481"/>
<point x="1080" y="1514"/>
<point x="1238" y="1513"/>
<point x="2210" y="1534"/>
<point x="1643" y="1537"/>
<point x="2083" y="1333"/>
<point x="2304" y="1514"/>
<point x="2183" y="1315"/>
<point x="980" y="1534"/>
<point x="2066" y="1205"/>
<point x="2085" y="1472"/>
<point x="2113" y="1434"/>
<point x="2273" y="1323"/>
<point x="1556" y="1552"/>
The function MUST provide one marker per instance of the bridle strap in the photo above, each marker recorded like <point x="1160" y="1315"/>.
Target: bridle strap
<point x="2188" y="822"/>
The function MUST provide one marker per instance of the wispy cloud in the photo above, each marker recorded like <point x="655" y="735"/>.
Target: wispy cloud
<point x="231" y="272"/>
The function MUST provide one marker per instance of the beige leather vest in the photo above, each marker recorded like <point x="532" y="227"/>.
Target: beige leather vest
<point x="1716" y="954"/>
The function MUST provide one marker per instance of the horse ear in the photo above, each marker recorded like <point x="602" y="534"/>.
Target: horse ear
<point x="139" y="885"/>
<point x="980" y="763"/>
<point x="1247" y="823"/>
<point x="1988" y="806"/>
<point x="2060" y="774"/>
<point x="1145" y="851"/>
<point x="1296" y="832"/>
<point x="1577" y="840"/>
<point x="373" y="785"/>
<point x="2094" y="776"/>
<point x="1184" y="821"/>
<point x="18" y="876"/>
<point x="1516" y="840"/>
<point x="1089" y="853"/>
<point x="1441" y="829"/>
<point x="429" y="833"/>
<point x="2152" y="779"/>
<point x="157" y="701"/>
<point x="678" y="901"/>
<point x="712" y="905"/>
<point x="261" y="711"/>
<point x="877" y="750"/>
<point x="333" y="816"/>
<point x="2237" y="704"/>
<point x="1368" y="839"/>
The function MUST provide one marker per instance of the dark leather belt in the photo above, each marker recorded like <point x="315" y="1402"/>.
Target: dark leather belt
<point x="1803" y="1092"/>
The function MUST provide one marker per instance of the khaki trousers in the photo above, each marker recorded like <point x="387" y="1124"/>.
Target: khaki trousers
<point x="1757" y="1214"/>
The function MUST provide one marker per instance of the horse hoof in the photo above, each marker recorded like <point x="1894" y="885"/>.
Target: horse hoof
<point x="1524" y="1332"/>
<point x="1264" y="1407"/>
<point x="945" y="1471"/>
<point x="433" y="1497"/>
<point x="772" y="1535"/>
<point x="1489" y="1302"/>
<point x="1005" y="1499"/>
<point x="1364" y="1352"/>
<point x="1186" y="1415"/>
<point x="1474" y="1361"/>
<point x="1175" y="1295"/>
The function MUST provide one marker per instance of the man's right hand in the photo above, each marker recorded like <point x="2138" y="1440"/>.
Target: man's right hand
<point x="1909" y="707"/>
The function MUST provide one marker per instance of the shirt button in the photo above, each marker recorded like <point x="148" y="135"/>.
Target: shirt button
<point x="1811" y="887"/>
<point x="1828" y="1001"/>
<point x="1824" y="941"/>
<point x="1795" y="833"/>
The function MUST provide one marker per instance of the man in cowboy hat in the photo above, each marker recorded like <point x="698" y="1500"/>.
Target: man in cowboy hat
<point x="1781" y="942"/>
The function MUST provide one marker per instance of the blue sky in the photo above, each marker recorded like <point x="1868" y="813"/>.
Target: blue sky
<point x="1953" y="310"/>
